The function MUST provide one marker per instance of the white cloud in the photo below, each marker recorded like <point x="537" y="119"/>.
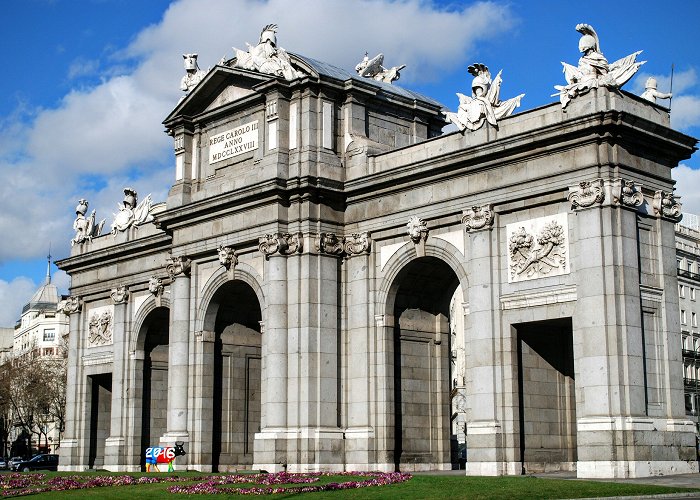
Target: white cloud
<point x="682" y="81"/>
<point x="685" y="112"/>
<point x="688" y="187"/>
<point x="13" y="296"/>
<point x="91" y="144"/>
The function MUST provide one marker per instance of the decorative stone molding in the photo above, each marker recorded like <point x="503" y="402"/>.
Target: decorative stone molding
<point x="666" y="205"/>
<point x="100" y="329"/>
<point x="328" y="243"/>
<point x="282" y="243"/>
<point x="120" y="295"/>
<point x="627" y="194"/>
<point x="177" y="266"/>
<point x="538" y="248"/>
<point x="155" y="286"/>
<point x="357" y="244"/>
<point x="70" y="305"/>
<point x="179" y="144"/>
<point x="271" y="111"/>
<point x="586" y="194"/>
<point x="478" y="218"/>
<point x="228" y="257"/>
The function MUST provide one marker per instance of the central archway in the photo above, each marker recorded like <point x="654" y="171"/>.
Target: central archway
<point x="423" y="290"/>
<point x="237" y="375"/>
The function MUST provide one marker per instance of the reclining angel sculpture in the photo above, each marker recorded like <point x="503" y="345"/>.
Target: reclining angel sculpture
<point x="484" y="105"/>
<point x="593" y="70"/>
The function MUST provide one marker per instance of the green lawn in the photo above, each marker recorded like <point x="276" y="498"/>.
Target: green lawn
<point x="418" y="487"/>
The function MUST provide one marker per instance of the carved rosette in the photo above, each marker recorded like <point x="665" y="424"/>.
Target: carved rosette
<point x="228" y="257"/>
<point x="666" y="205"/>
<point x="100" y="329"/>
<point x="328" y="243"/>
<point x="120" y="295"/>
<point x="71" y="305"/>
<point x="357" y="244"/>
<point x="586" y="194"/>
<point x="282" y="243"/>
<point x="178" y="266"/>
<point x="417" y="229"/>
<point x="627" y="194"/>
<point x="478" y="218"/>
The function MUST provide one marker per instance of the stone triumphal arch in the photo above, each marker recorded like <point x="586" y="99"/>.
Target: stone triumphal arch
<point x="335" y="284"/>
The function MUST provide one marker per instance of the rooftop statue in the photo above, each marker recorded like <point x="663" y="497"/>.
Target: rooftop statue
<point x="266" y="57"/>
<point x="484" y="104"/>
<point x="651" y="94"/>
<point x="194" y="75"/>
<point x="131" y="214"/>
<point x="85" y="228"/>
<point x="593" y="69"/>
<point x="372" y="68"/>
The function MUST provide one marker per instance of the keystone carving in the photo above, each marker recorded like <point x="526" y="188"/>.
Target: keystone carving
<point x="227" y="257"/>
<point x="478" y="218"/>
<point x="120" y="294"/>
<point x="176" y="266"/>
<point x="70" y="305"/>
<point x="328" y="243"/>
<point x="282" y="243"/>
<point x="667" y="205"/>
<point x="417" y="229"/>
<point x="155" y="286"/>
<point x="357" y="244"/>
<point x="625" y="193"/>
<point x="586" y="194"/>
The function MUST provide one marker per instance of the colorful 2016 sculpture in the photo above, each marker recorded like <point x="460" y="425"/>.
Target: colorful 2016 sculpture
<point x="164" y="455"/>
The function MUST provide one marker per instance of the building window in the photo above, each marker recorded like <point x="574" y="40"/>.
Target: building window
<point x="692" y="293"/>
<point x="694" y="318"/>
<point x="681" y="291"/>
<point x="49" y="335"/>
<point x="683" y="318"/>
<point x="690" y="266"/>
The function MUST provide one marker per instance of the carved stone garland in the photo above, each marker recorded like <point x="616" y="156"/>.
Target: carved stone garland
<point x="178" y="266"/>
<point x="282" y="243"/>
<point x="667" y="205"/>
<point x="478" y="218"/>
<point x="627" y="194"/>
<point x="120" y="295"/>
<point x="586" y="194"/>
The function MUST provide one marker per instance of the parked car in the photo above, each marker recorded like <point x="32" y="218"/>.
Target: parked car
<point x="39" y="462"/>
<point x="13" y="461"/>
<point x="3" y="463"/>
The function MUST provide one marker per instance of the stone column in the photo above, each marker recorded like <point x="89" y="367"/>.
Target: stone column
<point x="71" y="444"/>
<point x="115" y="444"/>
<point x="178" y="351"/>
<point x="485" y="435"/>
<point x="359" y="431"/>
<point x="270" y="443"/>
<point x="200" y="451"/>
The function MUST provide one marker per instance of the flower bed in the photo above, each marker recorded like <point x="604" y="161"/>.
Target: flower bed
<point x="15" y="485"/>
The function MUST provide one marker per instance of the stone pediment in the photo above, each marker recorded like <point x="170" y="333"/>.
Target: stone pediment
<point x="220" y="86"/>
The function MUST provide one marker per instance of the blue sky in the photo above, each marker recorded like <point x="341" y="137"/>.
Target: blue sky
<point x="89" y="81"/>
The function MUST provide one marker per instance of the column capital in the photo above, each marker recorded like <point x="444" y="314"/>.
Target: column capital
<point x="71" y="305"/>
<point x="667" y="206"/>
<point x="478" y="217"/>
<point x="357" y="244"/>
<point x="178" y="266"/>
<point x="586" y="194"/>
<point x="281" y="243"/>
<point x="626" y="193"/>
<point x="328" y="243"/>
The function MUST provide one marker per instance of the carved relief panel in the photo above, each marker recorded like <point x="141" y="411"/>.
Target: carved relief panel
<point x="538" y="248"/>
<point x="100" y="326"/>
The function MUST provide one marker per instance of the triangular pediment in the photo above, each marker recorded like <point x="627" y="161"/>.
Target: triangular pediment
<point x="219" y="87"/>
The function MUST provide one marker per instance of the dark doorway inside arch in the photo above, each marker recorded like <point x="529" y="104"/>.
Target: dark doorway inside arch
<point x="100" y="415"/>
<point x="237" y="372"/>
<point x="547" y="395"/>
<point x="154" y="415"/>
<point x="422" y="368"/>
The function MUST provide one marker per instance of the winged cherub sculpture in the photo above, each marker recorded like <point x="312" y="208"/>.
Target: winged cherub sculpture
<point x="593" y="70"/>
<point x="484" y="105"/>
